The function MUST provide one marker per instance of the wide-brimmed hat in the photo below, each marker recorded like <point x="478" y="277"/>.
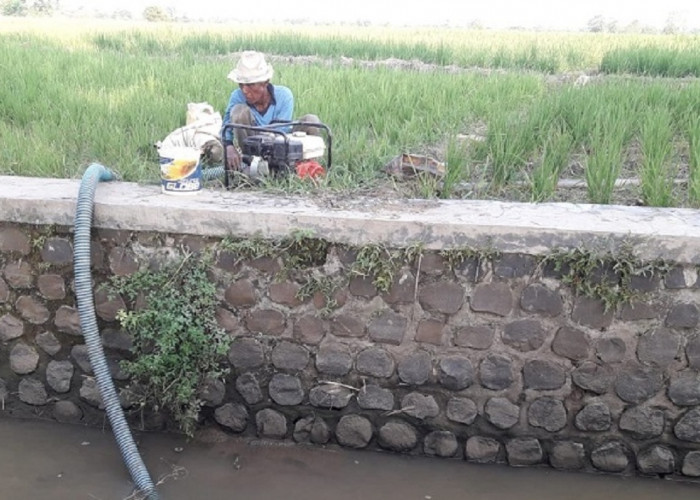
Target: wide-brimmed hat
<point x="251" y="68"/>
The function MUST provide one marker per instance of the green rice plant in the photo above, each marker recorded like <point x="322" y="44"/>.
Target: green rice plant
<point x="657" y="176"/>
<point x="694" y="167"/>
<point x="653" y="61"/>
<point x="456" y="167"/>
<point x="555" y="155"/>
<point x="604" y="160"/>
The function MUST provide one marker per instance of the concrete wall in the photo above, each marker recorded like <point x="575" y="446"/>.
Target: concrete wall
<point x="489" y="359"/>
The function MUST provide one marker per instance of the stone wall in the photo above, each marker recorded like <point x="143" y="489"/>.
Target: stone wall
<point x="490" y="357"/>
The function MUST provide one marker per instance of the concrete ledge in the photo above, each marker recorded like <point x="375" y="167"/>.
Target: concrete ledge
<point x="672" y="234"/>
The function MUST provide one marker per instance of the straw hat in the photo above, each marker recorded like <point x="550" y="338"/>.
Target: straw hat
<point x="251" y="68"/>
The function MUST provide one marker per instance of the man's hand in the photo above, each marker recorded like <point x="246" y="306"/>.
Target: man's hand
<point x="233" y="158"/>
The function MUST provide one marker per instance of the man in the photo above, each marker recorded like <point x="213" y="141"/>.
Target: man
<point x="256" y="102"/>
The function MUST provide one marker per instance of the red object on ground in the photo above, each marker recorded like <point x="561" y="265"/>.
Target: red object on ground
<point x="309" y="168"/>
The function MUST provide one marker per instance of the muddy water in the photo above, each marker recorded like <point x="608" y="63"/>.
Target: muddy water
<point x="42" y="460"/>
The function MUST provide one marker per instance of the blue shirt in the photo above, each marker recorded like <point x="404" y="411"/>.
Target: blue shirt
<point x="281" y="108"/>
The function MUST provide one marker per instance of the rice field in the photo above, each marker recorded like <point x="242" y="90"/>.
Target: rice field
<point x="528" y="116"/>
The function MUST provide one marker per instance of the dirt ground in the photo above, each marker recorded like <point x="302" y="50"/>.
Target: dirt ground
<point x="45" y="460"/>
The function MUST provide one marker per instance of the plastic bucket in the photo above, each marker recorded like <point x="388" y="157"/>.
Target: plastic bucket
<point x="180" y="170"/>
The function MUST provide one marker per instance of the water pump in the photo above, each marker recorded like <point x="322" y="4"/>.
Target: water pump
<point x="270" y="150"/>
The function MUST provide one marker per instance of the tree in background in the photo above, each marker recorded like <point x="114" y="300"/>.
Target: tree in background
<point x="14" y="8"/>
<point x="28" y="8"/>
<point x="155" y="14"/>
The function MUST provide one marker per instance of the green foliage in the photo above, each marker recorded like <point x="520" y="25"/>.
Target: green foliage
<point x="300" y="250"/>
<point x="652" y="61"/>
<point x="657" y="145"/>
<point x="555" y="156"/>
<point x="76" y="99"/>
<point x="326" y="286"/>
<point x="380" y="263"/>
<point x="177" y="344"/>
<point x="694" y="174"/>
<point x="603" y="276"/>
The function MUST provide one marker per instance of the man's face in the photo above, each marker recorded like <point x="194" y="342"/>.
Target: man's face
<point x="255" y="93"/>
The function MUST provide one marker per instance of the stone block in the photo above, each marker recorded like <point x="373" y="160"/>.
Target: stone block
<point x="539" y="299"/>
<point x="330" y="396"/>
<point x="10" y="327"/>
<point x="656" y="459"/>
<point x="610" y="350"/>
<point x="442" y="297"/>
<point x="594" y="417"/>
<point x="48" y="343"/>
<point x="420" y="406"/>
<point x="524" y="335"/>
<point x="362" y="286"/>
<point x="67" y="320"/>
<point x="523" y="451"/>
<point x="311" y="429"/>
<point x="502" y="413"/>
<point x="610" y="457"/>
<point x="496" y="372"/>
<point x="493" y="298"/>
<point x="415" y="368"/>
<point x="430" y="331"/>
<point x="591" y="312"/>
<point x="660" y="347"/>
<point x="24" y="359"/>
<point x="388" y="327"/>
<point x="286" y="390"/>
<point x="52" y="286"/>
<point x="345" y="325"/>
<point x="571" y="343"/>
<point x="266" y="321"/>
<point x="455" y="372"/>
<point x="271" y="424"/>
<point x="543" y="375"/>
<point x="32" y="391"/>
<point x="375" y="362"/>
<point x="688" y="426"/>
<point x="240" y="294"/>
<point x="354" y="431"/>
<point x="248" y="387"/>
<point x="684" y="389"/>
<point x="285" y="293"/>
<point x="290" y="356"/>
<point x="478" y="337"/>
<point x="482" y="449"/>
<point x="373" y="397"/>
<point x="19" y="275"/>
<point x="122" y="261"/>
<point x="567" y="455"/>
<point x="642" y="422"/>
<point x="514" y="265"/>
<point x="397" y="436"/>
<point x="462" y="410"/>
<point x="683" y="316"/>
<point x="14" y="240"/>
<point x="59" y="375"/>
<point x="309" y="330"/>
<point x="440" y="444"/>
<point x="334" y="359"/>
<point x="246" y="353"/>
<point x="637" y="383"/>
<point x="547" y="413"/>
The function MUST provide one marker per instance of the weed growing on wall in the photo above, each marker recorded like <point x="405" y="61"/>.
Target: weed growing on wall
<point x="177" y="344"/>
<point x="606" y="277"/>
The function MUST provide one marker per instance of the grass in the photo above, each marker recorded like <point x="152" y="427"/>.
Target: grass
<point x="107" y="92"/>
